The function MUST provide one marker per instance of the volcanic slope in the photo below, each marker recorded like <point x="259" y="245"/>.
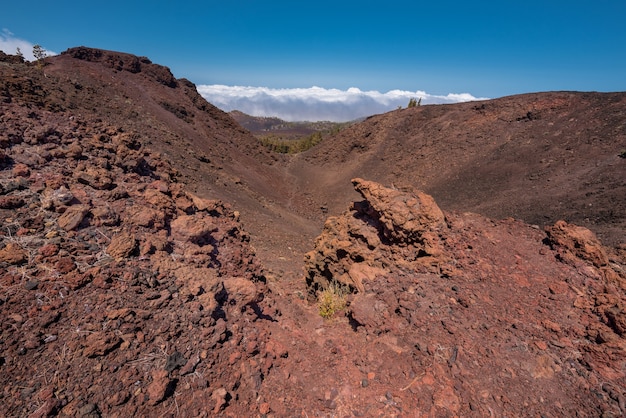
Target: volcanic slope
<point x="213" y="155"/>
<point x="142" y="242"/>
<point x="537" y="157"/>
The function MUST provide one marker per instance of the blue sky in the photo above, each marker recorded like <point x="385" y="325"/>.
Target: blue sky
<point x="484" y="48"/>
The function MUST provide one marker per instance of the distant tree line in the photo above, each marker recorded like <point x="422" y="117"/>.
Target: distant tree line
<point x="291" y="146"/>
<point x="413" y="102"/>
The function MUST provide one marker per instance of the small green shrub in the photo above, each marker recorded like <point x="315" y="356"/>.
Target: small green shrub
<point x="332" y="300"/>
<point x="413" y="102"/>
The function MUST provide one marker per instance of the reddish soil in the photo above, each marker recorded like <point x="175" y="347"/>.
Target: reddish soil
<point x="152" y="254"/>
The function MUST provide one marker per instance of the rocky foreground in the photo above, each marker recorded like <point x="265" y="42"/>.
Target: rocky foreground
<point x="118" y="286"/>
<point x="123" y="293"/>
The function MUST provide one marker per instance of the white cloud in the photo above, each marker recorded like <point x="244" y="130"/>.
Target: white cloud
<point x="9" y="44"/>
<point x="317" y="103"/>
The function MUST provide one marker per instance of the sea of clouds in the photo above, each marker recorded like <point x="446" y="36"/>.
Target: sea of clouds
<point x="317" y="103"/>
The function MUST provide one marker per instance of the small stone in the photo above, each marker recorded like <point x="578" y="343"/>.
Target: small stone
<point x="65" y="265"/>
<point x="122" y="245"/>
<point x="232" y="359"/>
<point x="100" y="343"/>
<point x="13" y="254"/>
<point x="193" y="228"/>
<point x="73" y="217"/>
<point x="157" y="390"/>
<point x="20" y="170"/>
<point x="31" y="285"/>
<point x="365" y="383"/>
<point x="49" y="250"/>
<point x="552" y="326"/>
<point x="190" y="366"/>
<point x="220" y="396"/>
<point x="264" y="408"/>
<point x="87" y="410"/>
<point x="75" y="151"/>
<point x="32" y="342"/>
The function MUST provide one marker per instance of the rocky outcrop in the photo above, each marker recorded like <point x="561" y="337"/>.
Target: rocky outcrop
<point x="453" y="297"/>
<point x="579" y="247"/>
<point x="125" y="62"/>
<point x="575" y="243"/>
<point x="13" y="59"/>
<point x="388" y="231"/>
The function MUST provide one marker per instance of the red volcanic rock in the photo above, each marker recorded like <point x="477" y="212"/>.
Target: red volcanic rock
<point x="445" y="308"/>
<point x="65" y="265"/>
<point x="194" y="228"/>
<point x="576" y="242"/>
<point x="21" y="170"/>
<point x="243" y="291"/>
<point x="404" y="217"/>
<point x="95" y="177"/>
<point x="100" y="343"/>
<point x="12" y="253"/>
<point x="157" y="390"/>
<point x="49" y="250"/>
<point x="11" y="202"/>
<point x="73" y="217"/>
<point x="122" y="245"/>
<point x="110" y="229"/>
<point x="145" y="216"/>
<point x="390" y="229"/>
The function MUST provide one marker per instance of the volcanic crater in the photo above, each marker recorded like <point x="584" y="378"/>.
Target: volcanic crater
<point x="442" y="260"/>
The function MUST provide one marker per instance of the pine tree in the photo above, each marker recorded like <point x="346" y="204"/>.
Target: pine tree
<point x="39" y="53"/>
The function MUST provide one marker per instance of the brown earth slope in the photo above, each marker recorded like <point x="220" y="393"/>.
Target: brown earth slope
<point x="151" y="255"/>
<point x="537" y="157"/>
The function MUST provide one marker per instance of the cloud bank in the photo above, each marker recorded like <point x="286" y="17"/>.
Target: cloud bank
<point x="317" y="103"/>
<point x="9" y="45"/>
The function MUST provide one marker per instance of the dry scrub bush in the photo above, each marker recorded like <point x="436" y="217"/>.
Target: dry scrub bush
<point x="332" y="300"/>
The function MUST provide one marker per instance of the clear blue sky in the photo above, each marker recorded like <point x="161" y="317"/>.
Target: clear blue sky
<point x="485" y="48"/>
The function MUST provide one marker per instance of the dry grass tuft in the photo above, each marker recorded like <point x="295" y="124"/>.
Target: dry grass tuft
<point x="332" y="299"/>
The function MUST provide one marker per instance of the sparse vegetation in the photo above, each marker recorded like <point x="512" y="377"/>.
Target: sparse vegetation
<point x="288" y="137"/>
<point x="288" y="144"/>
<point x="622" y="154"/>
<point x="39" y="53"/>
<point x="291" y="146"/>
<point x="413" y="102"/>
<point x="332" y="300"/>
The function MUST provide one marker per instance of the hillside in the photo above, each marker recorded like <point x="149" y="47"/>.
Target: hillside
<point x="155" y="260"/>
<point x="537" y="157"/>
